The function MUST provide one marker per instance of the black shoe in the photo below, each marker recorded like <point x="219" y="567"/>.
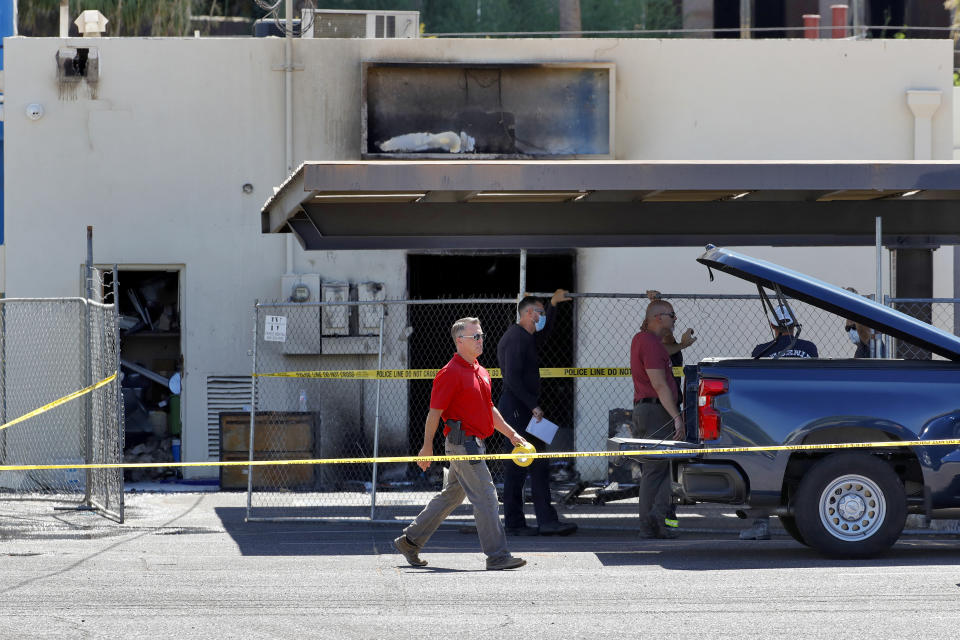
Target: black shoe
<point x="557" y="528"/>
<point x="521" y="531"/>
<point x="662" y="534"/>
<point x="655" y="529"/>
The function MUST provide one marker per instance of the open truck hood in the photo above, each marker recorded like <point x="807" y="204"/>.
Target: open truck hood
<point x="833" y="299"/>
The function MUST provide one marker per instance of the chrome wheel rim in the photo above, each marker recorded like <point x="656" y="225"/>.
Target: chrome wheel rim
<point x="852" y="507"/>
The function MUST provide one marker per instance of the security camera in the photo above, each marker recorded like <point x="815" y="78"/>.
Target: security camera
<point x="34" y="111"/>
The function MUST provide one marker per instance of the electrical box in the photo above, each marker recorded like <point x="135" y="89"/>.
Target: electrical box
<point x="368" y="315"/>
<point x="335" y="319"/>
<point x="300" y="287"/>
<point x="303" y="323"/>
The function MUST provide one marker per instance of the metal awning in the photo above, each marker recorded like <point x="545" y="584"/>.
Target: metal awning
<point x="605" y="203"/>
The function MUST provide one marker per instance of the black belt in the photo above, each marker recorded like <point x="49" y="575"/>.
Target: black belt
<point x="646" y="400"/>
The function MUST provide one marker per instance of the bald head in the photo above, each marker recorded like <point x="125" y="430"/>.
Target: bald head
<point x="659" y="318"/>
<point x="658" y="306"/>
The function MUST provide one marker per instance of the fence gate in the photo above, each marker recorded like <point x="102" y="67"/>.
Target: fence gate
<point x="51" y="348"/>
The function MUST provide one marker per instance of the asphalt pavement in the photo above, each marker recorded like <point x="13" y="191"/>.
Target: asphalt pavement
<point x="187" y="565"/>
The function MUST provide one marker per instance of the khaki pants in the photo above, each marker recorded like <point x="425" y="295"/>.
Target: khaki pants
<point x="464" y="480"/>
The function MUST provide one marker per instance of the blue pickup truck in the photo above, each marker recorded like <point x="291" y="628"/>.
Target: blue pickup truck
<point x="849" y="501"/>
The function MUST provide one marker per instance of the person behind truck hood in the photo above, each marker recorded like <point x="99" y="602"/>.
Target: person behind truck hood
<point x="861" y="335"/>
<point x="783" y="323"/>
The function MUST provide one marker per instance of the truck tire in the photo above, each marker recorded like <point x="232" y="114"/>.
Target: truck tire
<point x="850" y="505"/>
<point x="789" y="524"/>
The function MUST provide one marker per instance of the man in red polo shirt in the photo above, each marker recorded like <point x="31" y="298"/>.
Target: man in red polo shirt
<point x="461" y="396"/>
<point x="656" y="413"/>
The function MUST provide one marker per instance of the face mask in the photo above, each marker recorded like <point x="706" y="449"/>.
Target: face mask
<point x="853" y="335"/>
<point x="541" y="322"/>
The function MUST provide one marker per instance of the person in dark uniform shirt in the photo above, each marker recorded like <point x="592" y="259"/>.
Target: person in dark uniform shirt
<point x="519" y="402"/>
<point x="784" y="325"/>
<point x="784" y="346"/>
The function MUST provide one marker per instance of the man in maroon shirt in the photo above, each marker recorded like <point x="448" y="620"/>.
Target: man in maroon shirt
<point x="461" y="396"/>
<point x="656" y="413"/>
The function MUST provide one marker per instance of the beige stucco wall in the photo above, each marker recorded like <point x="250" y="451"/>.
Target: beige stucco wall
<point x="156" y="160"/>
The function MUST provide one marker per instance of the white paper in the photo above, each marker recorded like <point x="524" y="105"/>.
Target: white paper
<point x="545" y="430"/>
<point x="275" y="329"/>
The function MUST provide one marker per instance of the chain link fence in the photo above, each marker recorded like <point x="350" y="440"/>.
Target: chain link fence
<point x="940" y="312"/>
<point x="319" y="394"/>
<point x="353" y="380"/>
<point x="49" y="349"/>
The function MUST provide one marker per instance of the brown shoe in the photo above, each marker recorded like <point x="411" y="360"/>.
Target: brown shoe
<point x="409" y="551"/>
<point x="505" y="562"/>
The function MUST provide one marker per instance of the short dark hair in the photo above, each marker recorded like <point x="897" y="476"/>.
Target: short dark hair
<point x="526" y="303"/>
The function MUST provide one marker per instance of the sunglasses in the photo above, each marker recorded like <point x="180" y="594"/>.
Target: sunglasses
<point x="477" y="336"/>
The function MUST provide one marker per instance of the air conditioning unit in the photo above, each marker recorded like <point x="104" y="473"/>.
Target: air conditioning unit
<point x="325" y="23"/>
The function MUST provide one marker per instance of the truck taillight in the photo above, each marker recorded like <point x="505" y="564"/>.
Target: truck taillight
<point x="707" y="416"/>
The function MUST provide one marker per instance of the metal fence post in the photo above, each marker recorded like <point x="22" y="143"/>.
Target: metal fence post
<point x="88" y="370"/>
<point x="376" y="420"/>
<point x="118" y="391"/>
<point x="253" y="403"/>
<point x="887" y="340"/>
<point x="3" y="380"/>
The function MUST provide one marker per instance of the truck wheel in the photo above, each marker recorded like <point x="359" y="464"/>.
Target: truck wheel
<point x="850" y="505"/>
<point x="789" y="524"/>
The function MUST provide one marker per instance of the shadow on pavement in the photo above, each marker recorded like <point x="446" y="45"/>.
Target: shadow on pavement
<point x="613" y="548"/>
<point x="735" y="555"/>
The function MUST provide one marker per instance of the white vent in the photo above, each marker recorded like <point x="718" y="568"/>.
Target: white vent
<point x="224" y="393"/>
<point x="360" y="24"/>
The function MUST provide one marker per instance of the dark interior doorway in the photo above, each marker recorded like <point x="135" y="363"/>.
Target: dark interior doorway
<point x="769" y="14"/>
<point x="486" y="276"/>
<point x="887" y="16"/>
<point x="726" y="15"/>
<point x="151" y="363"/>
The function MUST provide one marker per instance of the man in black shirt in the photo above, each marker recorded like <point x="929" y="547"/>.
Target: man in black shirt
<point x="519" y="402"/>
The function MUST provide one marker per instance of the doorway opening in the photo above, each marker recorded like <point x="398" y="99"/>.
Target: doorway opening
<point x="486" y="276"/>
<point x="151" y="367"/>
<point x="888" y="16"/>
<point x="726" y="15"/>
<point x="766" y="14"/>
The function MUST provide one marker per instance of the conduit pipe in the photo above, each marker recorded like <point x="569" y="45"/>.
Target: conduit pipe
<point x="288" y="112"/>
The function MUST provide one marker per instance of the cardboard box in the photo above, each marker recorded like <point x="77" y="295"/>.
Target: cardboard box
<point x="290" y="476"/>
<point x="273" y="431"/>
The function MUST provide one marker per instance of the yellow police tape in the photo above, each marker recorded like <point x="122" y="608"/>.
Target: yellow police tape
<point x="492" y="456"/>
<point x="59" y="401"/>
<point x="429" y="374"/>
